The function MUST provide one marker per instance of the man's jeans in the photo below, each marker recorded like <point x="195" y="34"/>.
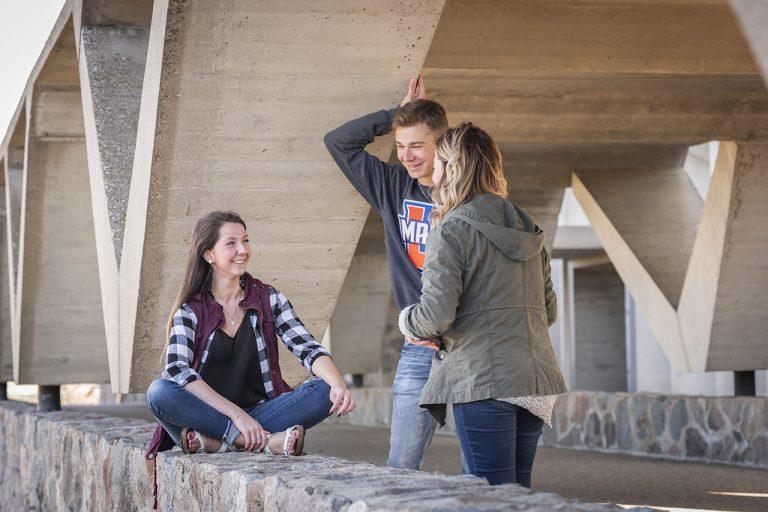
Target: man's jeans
<point x="498" y="440"/>
<point x="412" y="426"/>
<point x="175" y="407"/>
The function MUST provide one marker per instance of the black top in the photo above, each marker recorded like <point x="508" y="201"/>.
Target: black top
<point x="232" y="366"/>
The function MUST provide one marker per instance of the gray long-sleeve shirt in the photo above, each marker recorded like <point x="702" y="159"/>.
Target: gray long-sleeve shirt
<point x="396" y="196"/>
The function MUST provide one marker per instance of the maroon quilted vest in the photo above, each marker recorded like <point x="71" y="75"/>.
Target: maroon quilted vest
<point x="210" y="316"/>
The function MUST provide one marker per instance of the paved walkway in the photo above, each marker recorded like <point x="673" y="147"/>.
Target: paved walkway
<point x="586" y="476"/>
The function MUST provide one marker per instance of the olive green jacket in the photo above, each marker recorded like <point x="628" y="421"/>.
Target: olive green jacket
<point x="487" y="290"/>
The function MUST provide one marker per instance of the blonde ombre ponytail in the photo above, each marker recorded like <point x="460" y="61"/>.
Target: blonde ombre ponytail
<point x="472" y="164"/>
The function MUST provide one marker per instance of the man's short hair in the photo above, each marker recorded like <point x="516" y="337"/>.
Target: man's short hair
<point x="428" y="112"/>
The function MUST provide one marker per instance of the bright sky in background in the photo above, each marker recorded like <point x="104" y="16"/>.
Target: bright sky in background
<point x="24" y="27"/>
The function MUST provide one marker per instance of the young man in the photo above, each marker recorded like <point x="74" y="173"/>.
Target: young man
<point x="401" y="195"/>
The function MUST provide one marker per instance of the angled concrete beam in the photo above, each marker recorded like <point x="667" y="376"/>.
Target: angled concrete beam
<point x="235" y="103"/>
<point x="701" y="284"/>
<point x="113" y="53"/>
<point x="721" y="312"/>
<point x="647" y="244"/>
<point x="61" y="337"/>
<point x="13" y="179"/>
<point x="656" y="213"/>
<point x="6" y="344"/>
<point x="753" y="18"/>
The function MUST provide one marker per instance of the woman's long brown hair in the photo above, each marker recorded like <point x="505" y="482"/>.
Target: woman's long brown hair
<point x="198" y="272"/>
<point x="472" y="164"/>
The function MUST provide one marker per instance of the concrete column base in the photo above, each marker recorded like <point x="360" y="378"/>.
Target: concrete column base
<point x="49" y="398"/>
<point x="744" y="383"/>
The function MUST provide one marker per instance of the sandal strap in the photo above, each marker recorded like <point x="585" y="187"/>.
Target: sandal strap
<point x="200" y="440"/>
<point x="266" y="445"/>
<point x="288" y="434"/>
<point x="222" y="449"/>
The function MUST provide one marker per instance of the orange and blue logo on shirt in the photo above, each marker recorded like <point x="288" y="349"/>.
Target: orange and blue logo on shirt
<point x="414" y="229"/>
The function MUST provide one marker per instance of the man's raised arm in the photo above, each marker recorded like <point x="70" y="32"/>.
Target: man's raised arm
<point x="347" y="143"/>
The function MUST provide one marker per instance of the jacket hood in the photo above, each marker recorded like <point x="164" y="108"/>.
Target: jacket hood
<point x="507" y="227"/>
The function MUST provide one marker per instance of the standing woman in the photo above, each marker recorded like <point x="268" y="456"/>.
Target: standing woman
<point x="222" y="388"/>
<point x="486" y="289"/>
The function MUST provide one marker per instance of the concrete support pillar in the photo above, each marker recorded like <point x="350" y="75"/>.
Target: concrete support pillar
<point x="112" y="57"/>
<point x="13" y="177"/>
<point x="236" y="100"/>
<point x="722" y="313"/>
<point x="362" y="313"/>
<point x="6" y="343"/>
<point x="695" y="270"/>
<point x="652" y="369"/>
<point x="598" y="318"/>
<point x="61" y="330"/>
<point x="48" y="398"/>
<point x="646" y="221"/>
<point x="744" y="383"/>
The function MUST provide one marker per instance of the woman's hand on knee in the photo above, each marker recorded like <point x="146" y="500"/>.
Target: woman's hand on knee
<point x="254" y="435"/>
<point x="343" y="401"/>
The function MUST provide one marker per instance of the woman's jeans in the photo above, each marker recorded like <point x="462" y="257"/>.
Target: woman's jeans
<point x="175" y="407"/>
<point x="498" y="440"/>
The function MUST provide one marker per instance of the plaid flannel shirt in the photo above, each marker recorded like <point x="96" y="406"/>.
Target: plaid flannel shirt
<point x="288" y="327"/>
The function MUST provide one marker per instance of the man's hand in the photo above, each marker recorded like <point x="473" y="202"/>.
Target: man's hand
<point x="424" y="343"/>
<point x="416" y="91"/>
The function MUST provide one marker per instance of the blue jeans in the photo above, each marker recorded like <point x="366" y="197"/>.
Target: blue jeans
<point x="412" y="427"/>
<point x="175" y="407"/>
<point x="498" y="440"/>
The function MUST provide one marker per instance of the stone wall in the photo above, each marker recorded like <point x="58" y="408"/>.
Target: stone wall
<point x="713" y="429"/>
<point x="76" y="461"/>
<point x="732" y="430"/>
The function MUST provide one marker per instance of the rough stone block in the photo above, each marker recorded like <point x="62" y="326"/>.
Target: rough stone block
<point x="80" y="461"/>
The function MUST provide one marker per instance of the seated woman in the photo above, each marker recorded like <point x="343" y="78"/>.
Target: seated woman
<point x="486" y="289"/>
<point x="222" y="388"/>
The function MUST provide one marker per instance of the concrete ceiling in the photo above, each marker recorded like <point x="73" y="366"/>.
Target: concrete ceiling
<point x="552" y="71"/>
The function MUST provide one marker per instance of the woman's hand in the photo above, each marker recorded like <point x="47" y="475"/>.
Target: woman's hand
<point x="424" y="343"/>
<point x="253" y="433"/>
<point x="340" y="395"/>
<point x="343" y="401"/>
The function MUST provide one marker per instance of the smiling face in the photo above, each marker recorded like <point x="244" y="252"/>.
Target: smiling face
<point x="416" y="151"/>
<point x="232" y="251"/>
